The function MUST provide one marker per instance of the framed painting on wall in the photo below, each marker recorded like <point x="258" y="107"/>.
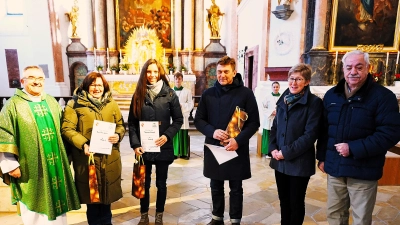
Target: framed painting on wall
<point x="364" y="22"/>
<point x="155" y="14"/>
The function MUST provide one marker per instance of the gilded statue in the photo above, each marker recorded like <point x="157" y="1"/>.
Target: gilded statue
<point x="213" y="19"/>
<point x="73" y="18"/>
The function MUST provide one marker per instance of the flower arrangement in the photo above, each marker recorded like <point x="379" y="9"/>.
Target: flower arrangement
<point x="377" y="77"/>
<point x="183" y="68"/>
<point x="114" y="68"/>
<point x="99" y="68"/>
<point x="397" y="77"/>
<point x="171" y="67"/>
<point x="124" y="66"/>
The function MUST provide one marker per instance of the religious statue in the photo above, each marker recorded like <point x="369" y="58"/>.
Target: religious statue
<point x="213" y="19"/>
<point x="73" y="18"/>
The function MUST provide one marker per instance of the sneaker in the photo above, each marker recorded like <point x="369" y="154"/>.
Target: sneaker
<point x="144" y="219"/>
<point x="216" y="222"/>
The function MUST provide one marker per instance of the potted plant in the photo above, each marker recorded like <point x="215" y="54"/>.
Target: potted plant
<point x="183" y="69"/>
<point x="114" y="69"/>
<point x="125" y="68"/>
<point x="100" y="68"/>
<point x="171" y="68"/>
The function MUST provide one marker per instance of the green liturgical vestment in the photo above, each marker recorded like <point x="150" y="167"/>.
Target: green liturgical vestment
<point x="31" y="131"/>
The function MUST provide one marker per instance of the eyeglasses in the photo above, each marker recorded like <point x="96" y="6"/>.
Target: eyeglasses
<point x="34" y="79"/>
<point x="96" y="85"/>
<point x="291" y="79"/>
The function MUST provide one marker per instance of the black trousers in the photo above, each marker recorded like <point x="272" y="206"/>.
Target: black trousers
<point x="98" y="214"/>
<point x="292" y="192"/>
<point x="161" y="184"/>
<point x="235" y="198"/>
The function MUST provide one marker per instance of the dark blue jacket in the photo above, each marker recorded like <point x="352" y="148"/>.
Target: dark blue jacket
<point x="294" y="132"/>
<point x="216" y="106"/>
<point x="165" y="106"/>
<point x="369" y="122"/>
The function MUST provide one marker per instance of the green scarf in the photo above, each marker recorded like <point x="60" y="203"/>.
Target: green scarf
<point x="276" y="95"/>
<point x="290" y="98"/>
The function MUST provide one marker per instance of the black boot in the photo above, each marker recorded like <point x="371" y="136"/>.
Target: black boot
<point x="216" y="222"/>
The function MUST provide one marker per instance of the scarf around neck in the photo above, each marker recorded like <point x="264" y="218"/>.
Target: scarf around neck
<point x="276" y="95"/>
<point x="290" y="98"/>
<point x="154" y="89"/>
<point x="178" y="88"/>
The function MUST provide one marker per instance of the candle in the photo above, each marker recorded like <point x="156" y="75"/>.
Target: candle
<point x="95" y="60"/>
<point x="387" y="59"/>
<point x="336" y="58"/>
<point x="120" y="54"/>
<point x="397" y="60"/>
<point x="108" y="55"/>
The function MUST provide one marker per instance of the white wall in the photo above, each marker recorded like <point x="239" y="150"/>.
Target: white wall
<point x="293" y="26"/>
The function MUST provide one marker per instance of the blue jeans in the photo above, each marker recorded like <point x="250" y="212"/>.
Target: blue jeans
<point x="161" y="184"/>
<point x="292" y="192"/>
<point x="98" y="214"/>
<point x="235" y="199"/>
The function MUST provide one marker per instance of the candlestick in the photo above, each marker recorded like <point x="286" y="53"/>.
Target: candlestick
<point x="397" y="59"/>
<point x="120" y="55"/>
<point x="108" y="55"/>
<point x="387" y="59"/>
<point x="336" y="57"/>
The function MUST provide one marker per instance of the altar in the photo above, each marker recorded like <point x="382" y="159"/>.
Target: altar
<point x="122" y="88"/>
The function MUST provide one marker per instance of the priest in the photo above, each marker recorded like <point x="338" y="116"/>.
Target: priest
<point x="33" y="160"/>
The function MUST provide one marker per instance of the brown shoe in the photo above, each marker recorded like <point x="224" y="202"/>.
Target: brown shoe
<point x="144" y="219"/>
<point x="159" y="220"/>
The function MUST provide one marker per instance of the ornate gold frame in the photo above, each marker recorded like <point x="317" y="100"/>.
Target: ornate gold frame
<point x="332" y="47"/>
<point x="117" y="18"/>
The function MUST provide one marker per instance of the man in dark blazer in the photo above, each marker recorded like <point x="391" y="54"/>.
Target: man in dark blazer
<point x="215" y="110"/>
<point x="361" y="122"/>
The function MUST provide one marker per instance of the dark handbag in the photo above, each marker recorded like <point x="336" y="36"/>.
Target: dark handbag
<point x="138" y="178"/>
<point x="93" y="186"/>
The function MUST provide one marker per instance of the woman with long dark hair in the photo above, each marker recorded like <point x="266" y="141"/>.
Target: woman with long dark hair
<point x="154" y="100"/>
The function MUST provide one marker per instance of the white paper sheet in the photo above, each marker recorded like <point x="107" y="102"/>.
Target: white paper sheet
<point x="99" y="141"/>
<point x="221" y="154"/>
<point x="149" y="133"/>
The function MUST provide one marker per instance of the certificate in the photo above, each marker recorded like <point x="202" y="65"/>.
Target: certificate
<point x="149" y="133"/>
<point x="221" y="154"/>
<point x="99" y="141"/>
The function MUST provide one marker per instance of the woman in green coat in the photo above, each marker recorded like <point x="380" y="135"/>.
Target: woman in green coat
<point x="93" y="101"/>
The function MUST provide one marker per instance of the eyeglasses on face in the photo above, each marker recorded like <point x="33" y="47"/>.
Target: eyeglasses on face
<point x="291" y="79"/>
<point x="39" y="79"/>
<point x="96" y="85"/>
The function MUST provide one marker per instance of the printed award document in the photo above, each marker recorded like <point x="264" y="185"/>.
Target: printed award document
<point x="221" y="154"/>
<point x="99" y="141"/>
<point x="149" y="133"/>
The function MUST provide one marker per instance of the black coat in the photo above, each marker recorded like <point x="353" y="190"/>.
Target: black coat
<point x="294" y="132"/>
<point x="214" y="111"/>
<point x="369" y="122"/>
<point x="164" y="107"/>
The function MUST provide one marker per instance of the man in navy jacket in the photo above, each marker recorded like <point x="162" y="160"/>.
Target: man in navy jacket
<point x="216" y="106"/>
<point x="361" y="122"/>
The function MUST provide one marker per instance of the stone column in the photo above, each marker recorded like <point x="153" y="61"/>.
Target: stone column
<point x="111" y="34"/>
<point x="188" y="24"/>
<point x="90" y="32"/>
<point x="319" y="24"/>
<point x="99" y="9"/>
<point x="198" y="62"/>
<point x="178" y="32"/>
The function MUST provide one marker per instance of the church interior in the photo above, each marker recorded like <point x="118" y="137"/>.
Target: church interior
<point x="69" y="38"/>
